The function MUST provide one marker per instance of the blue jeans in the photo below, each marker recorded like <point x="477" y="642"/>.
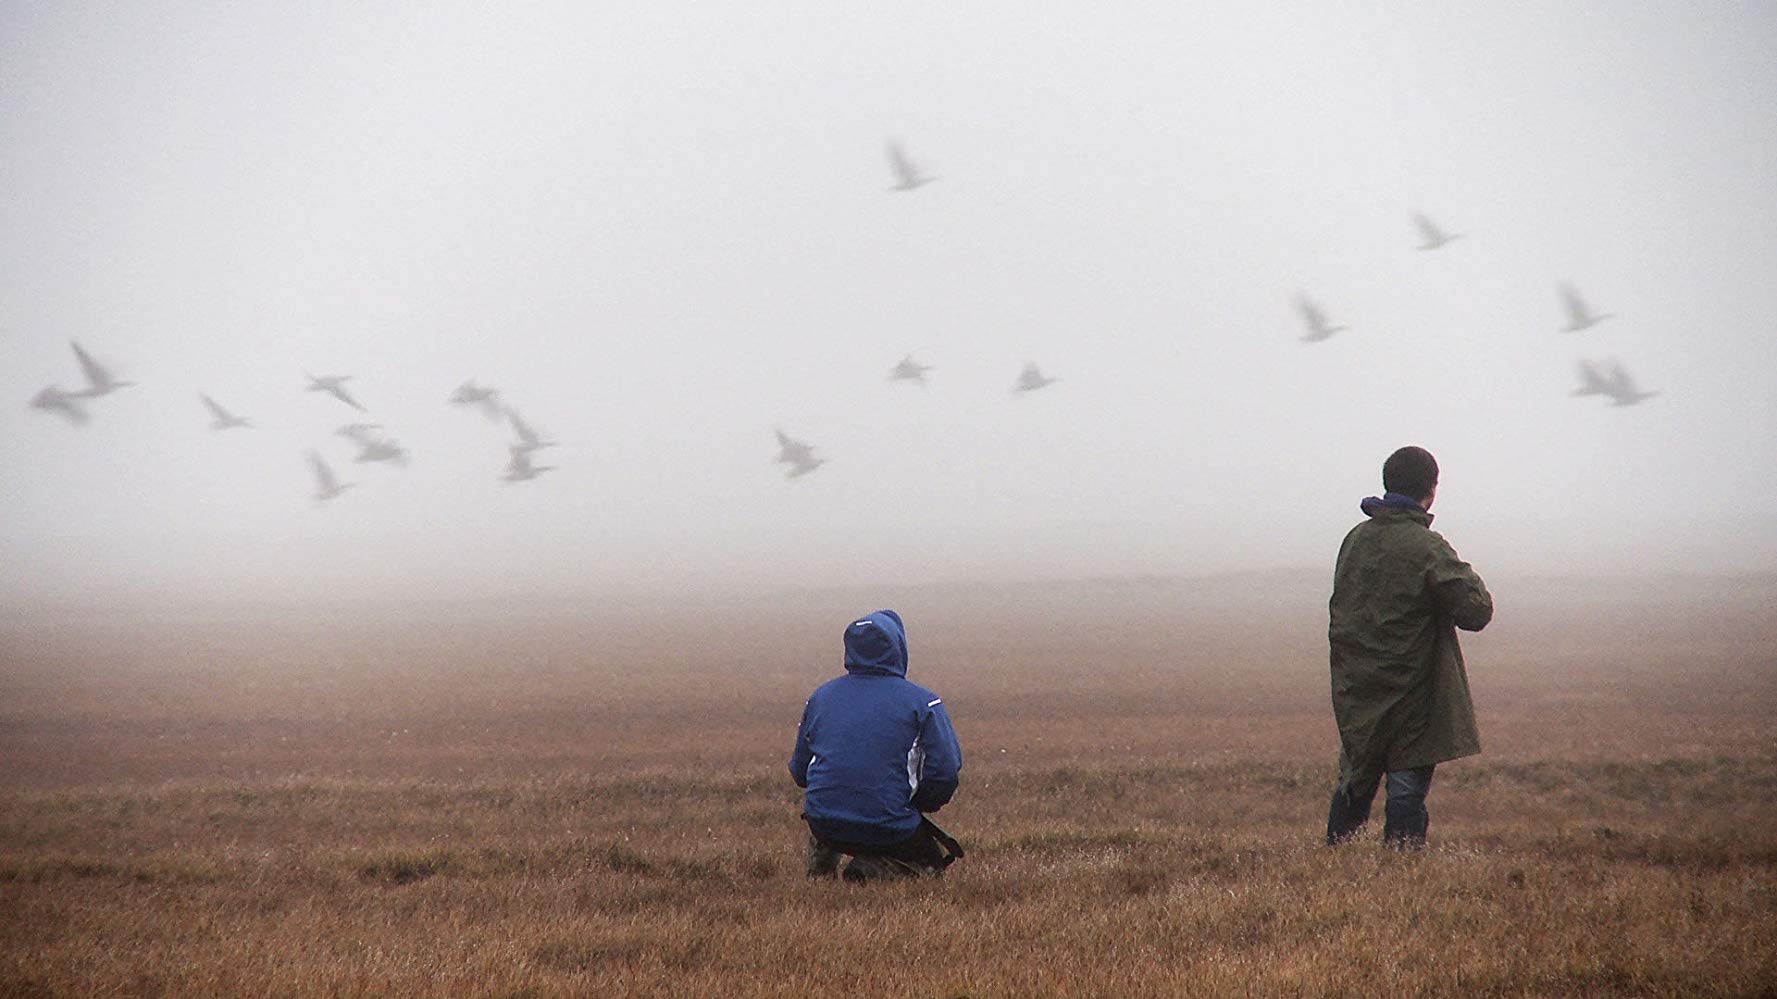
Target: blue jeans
<point x="1406" y="818"/>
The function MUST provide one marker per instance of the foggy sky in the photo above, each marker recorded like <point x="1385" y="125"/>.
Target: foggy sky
<point x="662" y="230"/>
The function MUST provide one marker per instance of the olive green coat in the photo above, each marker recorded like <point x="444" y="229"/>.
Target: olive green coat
<point x="1400" y="693"/>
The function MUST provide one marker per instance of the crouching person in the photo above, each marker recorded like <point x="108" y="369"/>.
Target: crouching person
<point x="875" y="752"/>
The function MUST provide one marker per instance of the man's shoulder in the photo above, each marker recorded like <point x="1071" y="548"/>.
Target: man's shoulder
<point x="925" y="694"/>
<point x="1396" y="542"/>
<point x="877" y="685"/>
<point x="828" y="688"/>
<point x="1393" y="531"/>
<point x="905" y="689"/>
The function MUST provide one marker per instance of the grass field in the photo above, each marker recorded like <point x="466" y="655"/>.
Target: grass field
<point x="464" y="801"/>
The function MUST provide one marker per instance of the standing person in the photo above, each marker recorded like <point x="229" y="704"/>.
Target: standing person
<point x="1400" y="693"/>
<point x="875" y="752"/>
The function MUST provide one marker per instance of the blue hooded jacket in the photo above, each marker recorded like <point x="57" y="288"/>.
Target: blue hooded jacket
<point x="874" y="750"/>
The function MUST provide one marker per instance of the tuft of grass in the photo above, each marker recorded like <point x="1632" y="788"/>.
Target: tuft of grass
<point x="1141" y="875"/>
<point x="622" y="859"/>
<point x="400" y="867"/>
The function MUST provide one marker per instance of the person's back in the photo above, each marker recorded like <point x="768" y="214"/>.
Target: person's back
<point x="874" y="752"/>
<point x="1399" y="687"/>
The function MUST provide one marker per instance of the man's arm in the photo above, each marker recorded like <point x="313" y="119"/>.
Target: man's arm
<point x="801" y="755"/>
<point x="1458" y="589"/>
<point x="943" y="763"/>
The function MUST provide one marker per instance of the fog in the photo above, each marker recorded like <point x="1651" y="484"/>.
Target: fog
<point x="662" y="231"/>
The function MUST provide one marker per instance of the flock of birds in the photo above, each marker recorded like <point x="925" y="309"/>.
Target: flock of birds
<point x="1608" y="379"/>
<point x="373" y="444"/>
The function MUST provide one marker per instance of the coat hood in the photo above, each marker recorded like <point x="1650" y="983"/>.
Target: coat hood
<point x="1395" y="503"/>
<point x="877" y="643"/>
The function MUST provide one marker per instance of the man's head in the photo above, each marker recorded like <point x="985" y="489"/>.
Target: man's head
<point x="1412" y="472"/>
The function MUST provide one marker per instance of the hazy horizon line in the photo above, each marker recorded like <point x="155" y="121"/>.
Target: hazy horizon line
<point x="1242" y="584"/>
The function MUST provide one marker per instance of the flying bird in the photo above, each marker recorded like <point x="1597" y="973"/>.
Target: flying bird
<point x="1031" y="379"/>
<point x="909" y="370"/>
<point x="334" y="385"/>
<point x="520" y="469"/>
<point x="799" y="455"/>
<point x="222" y="418"/>
<point x="383" y="449"/>
<point x="1623" y="390"/>
<point x="326" y="485"/>
<point x="62" y="404"/>
<point x="471" y="394"/>
<point x="99" y="379"/>
<point x="1579" y="315"/>
<point x="792" y="451"/>
<point x="1315" y="318"/>
<point x="908" y="175"/>
<point x="1614" y="381"/>
<point x="803" y="466"/>
<point x="373" y="446"/>
<point x="360" y="433"/>
<point x="528" y="437"/>
<point x="1594" y="380"/>
<point x="1432" y="237"/>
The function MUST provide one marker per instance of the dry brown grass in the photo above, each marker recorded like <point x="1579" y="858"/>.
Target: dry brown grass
<point x="596" y="805"/>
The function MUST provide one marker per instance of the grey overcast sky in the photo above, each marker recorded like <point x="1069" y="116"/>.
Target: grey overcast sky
<point x="663" y="229"/>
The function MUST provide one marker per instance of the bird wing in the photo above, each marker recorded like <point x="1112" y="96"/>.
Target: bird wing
<point x="521" y="428"/>
<point x="1621" y="382"/>
<point x="1576" y="306"/>
<point x="469" y="392"/>
<point x="216" y="409"/>
<point x="95" y="372"/>
<point x="1312" y="314"/>
<point x="1428" y="228"/>
<point x="323" y="474"/>
<point x="791" y="449"/>
<point x="1591" y="378"/>
<point x="340" y="393"/>
<point x="905" y="170"/>
<point x="359" y="433"/>
<point x="54" y="400"/>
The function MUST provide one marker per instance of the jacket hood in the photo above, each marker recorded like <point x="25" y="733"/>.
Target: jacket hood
<point x="877" y="643"/>
<point x="1398" y="503"/>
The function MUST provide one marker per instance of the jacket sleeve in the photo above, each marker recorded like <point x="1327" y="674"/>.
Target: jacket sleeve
<point x="943" y="763"/>
<point x="1458" y="590"/>
<point x="801" y="755"/>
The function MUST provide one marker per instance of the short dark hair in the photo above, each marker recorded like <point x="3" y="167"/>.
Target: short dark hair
<point x="1411" y="471"/>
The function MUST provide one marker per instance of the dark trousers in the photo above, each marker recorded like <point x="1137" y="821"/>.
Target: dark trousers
<point x="1405" y="816"/>
<point x="920" y="853"/>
